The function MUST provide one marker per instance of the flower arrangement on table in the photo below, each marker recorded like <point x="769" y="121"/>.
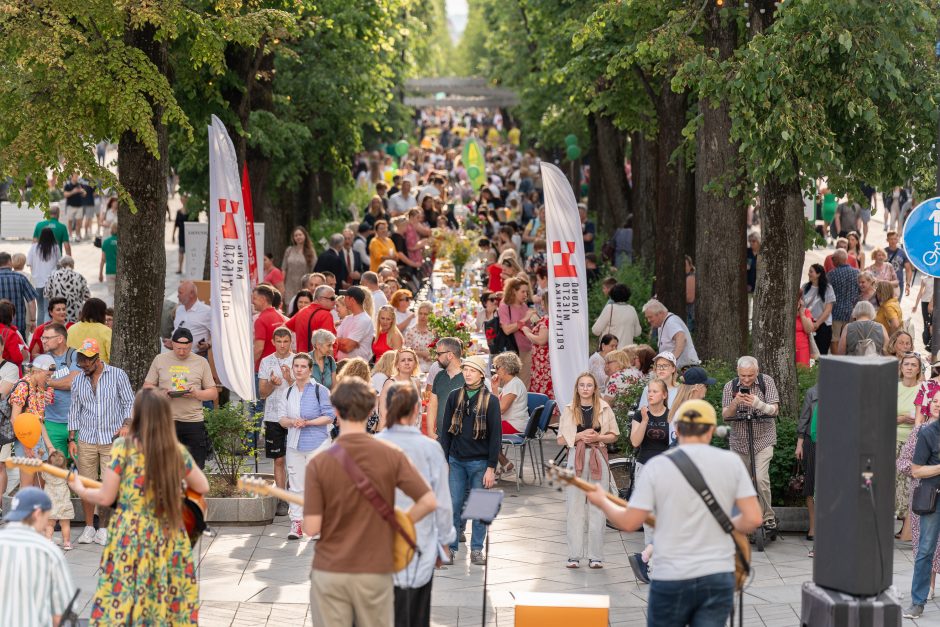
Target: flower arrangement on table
<point x="447" y="326"/>
<point x="455" y="247"/>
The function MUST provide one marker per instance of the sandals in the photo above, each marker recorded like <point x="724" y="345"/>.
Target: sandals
<point x="573" y="563"/>
<point x="595" y="564"/>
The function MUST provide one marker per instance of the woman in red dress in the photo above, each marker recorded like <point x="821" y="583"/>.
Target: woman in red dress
<point x="804" y="329"/>
<point x="541" y="380"/>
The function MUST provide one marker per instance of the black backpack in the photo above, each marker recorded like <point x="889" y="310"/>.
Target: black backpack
<point x="736" y="385"/>
<point x="498" y="341"/>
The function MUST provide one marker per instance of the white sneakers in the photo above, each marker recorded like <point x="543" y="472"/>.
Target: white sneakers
<point x="88" y="535"/>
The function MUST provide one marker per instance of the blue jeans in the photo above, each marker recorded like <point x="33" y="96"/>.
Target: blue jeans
<point x="929" y="530"/>
<point x="40" y="306"/>
<point x="701" y="602"/>
<point x="464" y="476"/>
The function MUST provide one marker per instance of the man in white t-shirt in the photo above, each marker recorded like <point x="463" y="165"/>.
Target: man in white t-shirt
<point x="274" y="379"/>
<point x="673" y="335"/>
<point x="192" y="314"/>
<point x="400" y="202"/>
<point x="370" y="281"/>
<point x="693" y="578"/>
<point x="356" y="332"/>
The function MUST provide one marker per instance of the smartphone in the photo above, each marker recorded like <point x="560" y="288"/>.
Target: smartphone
<point x="176" y="393"/>
<point x="745" y="390"/>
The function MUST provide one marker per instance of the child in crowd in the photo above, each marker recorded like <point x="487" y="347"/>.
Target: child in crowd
<point x="62" y="510"/>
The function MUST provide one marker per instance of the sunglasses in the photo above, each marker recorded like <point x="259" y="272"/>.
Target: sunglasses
<point x="328" y="297"/>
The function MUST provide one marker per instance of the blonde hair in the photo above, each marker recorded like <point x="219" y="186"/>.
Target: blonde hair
<point x="357" y="368"/>
<point x="575" y="406"/>
<point x="884" y="291"/>
<point x="385" y="364"/>
<point x="400" y="352"/>
<point x="684" y="394"/>
<point x="393" y="327"/>
<point x="621" y="356"/>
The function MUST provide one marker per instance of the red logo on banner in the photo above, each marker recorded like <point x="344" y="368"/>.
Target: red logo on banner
<point x="561" y="260"/>
<point x="228" y="226"/>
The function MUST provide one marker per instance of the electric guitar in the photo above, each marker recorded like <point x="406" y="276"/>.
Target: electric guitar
<point x="194" y="504"/>
<point x="742" y="553"/>
<point x="405" y="540"/>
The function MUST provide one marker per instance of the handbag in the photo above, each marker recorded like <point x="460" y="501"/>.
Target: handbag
<point x="7" y="435"/>
<point x="813" y="348"/>
<point x="498" y="341"/>
<point x="797" y="481"/>
<point x="924" y="499"/>
<point x="97" y="241"/>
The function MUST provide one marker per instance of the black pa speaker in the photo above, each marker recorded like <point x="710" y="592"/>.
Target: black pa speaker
<point x="856" y="426"/>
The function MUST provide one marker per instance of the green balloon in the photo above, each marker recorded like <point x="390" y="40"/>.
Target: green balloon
<point x="573" y="152"/>
<point x="389" y="149"/>
<point x="473" y="172"/>
<point x="401" y="148"/>
<point x="571" y="140"/>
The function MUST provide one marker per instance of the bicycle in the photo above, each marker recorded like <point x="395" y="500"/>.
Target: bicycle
<point x="620" y="479"/>
<point x="931" y="257"/>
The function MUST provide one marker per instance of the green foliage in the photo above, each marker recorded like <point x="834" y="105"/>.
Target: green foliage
<point x="233" y="431"/>
<point x="637" y="276"/>
<point x="327" y="224"/>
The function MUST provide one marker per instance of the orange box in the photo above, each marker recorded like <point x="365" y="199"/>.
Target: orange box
<point x="553" y="609"/>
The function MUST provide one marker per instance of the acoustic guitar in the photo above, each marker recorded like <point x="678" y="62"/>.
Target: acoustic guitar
<point x="405" y="541"/>
<point x="742" y="553"/>
<point x="194" y="504"/>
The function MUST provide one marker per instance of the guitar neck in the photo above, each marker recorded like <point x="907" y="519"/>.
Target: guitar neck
<point x="613" y="498"/>
<point x="55" y="471"/>
<point x="280" y="493"/>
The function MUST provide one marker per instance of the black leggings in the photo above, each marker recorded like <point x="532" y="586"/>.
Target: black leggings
<point x="823" y="338"/>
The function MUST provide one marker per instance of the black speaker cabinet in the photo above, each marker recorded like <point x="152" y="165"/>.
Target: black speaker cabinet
<point x="856" y="430"/>
<point x="828" y="608"/>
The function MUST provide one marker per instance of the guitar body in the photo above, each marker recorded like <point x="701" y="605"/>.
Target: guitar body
<point x="194" y="504"/>
<point x="401" y="550"/>
<point x="742" y="553"/>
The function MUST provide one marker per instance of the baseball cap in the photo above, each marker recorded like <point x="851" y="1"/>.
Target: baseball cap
<point x="25" y="502"/>
<point x="356" y="292"/>
<point x="182" y="333"/>
<point x="44" y="362"/>
<point x="696" y="411"/>
<point x="89" y="347"/>
<point x="696" y="376"/>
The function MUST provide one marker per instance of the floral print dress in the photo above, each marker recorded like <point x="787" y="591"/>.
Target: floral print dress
<point x="905" y="459"/>
<point x="147" y="573"/>
<point x="541" y="379"/>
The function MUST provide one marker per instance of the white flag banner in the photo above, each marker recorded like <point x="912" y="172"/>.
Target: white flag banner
<point x="567" y="285"/>
<point x="229" y="277"/>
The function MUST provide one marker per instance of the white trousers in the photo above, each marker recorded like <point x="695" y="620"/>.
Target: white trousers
<point x="296" y="472"/>
<point x="584" y="517"/>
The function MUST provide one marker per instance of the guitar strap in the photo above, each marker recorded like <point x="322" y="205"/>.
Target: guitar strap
<point x="691" y="473"/>
<point x="368" y="490"/>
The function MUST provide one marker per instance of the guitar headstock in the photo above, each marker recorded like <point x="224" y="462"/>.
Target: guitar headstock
<point x="558" y="473"/>
<point x="28" y="463"/>
<point x="254" y="485"/>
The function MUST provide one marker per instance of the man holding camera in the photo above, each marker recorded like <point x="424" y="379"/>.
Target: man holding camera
<point x="752" y="396"/>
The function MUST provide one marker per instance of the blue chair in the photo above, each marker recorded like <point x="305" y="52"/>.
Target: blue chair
<point x="520" y="441"/>
<point x="544" y="418"/>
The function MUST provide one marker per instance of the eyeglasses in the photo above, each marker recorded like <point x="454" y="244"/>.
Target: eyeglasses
<point x="492" y="299"/>
<point x="48" y="338"/>
<point x="663" y="366"/>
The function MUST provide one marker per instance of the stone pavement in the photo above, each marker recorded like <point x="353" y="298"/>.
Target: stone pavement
<point x="254" y="576"/>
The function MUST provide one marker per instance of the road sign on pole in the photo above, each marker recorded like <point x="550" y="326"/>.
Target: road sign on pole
<point x="921" y="237"/>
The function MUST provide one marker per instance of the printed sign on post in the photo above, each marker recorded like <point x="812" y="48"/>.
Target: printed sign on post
<point x="921" y="237"/>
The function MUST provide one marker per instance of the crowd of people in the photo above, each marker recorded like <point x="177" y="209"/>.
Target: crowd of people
<point x="347" y="363"/>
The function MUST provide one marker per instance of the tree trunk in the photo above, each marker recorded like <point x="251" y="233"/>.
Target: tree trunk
<point x="608" y="191"/>
<point x="674" y="197"/>
<point x="141" y="271"/>
<point x="721" y="283"/>
<point x="327" y="200"/>
<point x="643" y="197"/>
<point x="778" y="277"/>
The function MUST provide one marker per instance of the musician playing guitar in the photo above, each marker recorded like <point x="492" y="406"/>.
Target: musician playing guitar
<point x="694" y="562"/>
<point x="351" y="581"/>
<point x="147" y="574"/>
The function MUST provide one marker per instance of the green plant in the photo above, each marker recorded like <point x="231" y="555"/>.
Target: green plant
<point x="352" y="194"/>
<point x="447" y="326"/>
<point x="233" y="430"/>
<point x="327" y="224"/>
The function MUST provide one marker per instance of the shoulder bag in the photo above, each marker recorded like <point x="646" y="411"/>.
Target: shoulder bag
<point x="924" y="499"/>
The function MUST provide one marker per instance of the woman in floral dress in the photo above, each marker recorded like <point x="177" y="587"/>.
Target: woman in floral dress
<point x="30" y="395"/>
<point x="541" y="379"/>
<point x="147" y="572"/>
<point x="904" y="466"/>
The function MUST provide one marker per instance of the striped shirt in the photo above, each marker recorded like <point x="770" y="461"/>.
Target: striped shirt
<point x="307" y="405"/>
<point x="17" y="289"/>
<point x="98" y="417"/>
<point x="35" y="580"/>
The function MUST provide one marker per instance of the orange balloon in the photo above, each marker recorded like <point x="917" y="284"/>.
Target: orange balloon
<point x="28" y="429"/>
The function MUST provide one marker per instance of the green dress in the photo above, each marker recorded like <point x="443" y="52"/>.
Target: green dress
<point x="147" y="576"/>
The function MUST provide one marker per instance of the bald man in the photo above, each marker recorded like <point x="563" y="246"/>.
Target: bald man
<point x="194" y="315"/>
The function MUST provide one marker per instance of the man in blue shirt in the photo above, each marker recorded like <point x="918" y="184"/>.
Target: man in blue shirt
<point x="57" y="413"/>
<point x="844" y="281"/>
<point x="897" y="257"/>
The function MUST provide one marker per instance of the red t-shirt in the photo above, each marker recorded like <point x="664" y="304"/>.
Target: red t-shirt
<point x="35" y="341"/>
<point x="13" y="345"/>
<point x="496" y="277"/>
<point x="322" y="318"/>
<point x="274" y="277"/>
<point x="828" y="264"/>
<point x="265" y="323"/>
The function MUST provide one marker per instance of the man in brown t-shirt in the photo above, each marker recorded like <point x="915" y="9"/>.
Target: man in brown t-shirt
<point x="351" y="580"/>
<point x="187" y="380"/>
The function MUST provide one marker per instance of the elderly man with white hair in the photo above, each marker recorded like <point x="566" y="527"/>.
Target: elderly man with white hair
<point x="66" y="283"/>
<point x="672" y="333"/>
<point x="752" y="396"/>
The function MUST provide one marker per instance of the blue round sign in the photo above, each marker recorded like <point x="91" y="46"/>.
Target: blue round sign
<point x="921" y="237"/>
